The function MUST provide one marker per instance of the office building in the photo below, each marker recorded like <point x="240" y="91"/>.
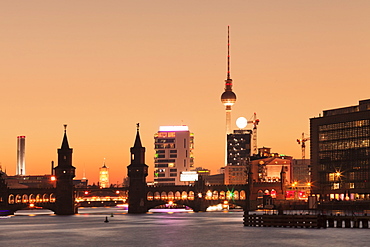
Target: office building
<point x="173" y="154"/>
<point x="21" y="155"/>
<point x="238" y="153"/>
<point x="238" y="147"/>
<point x="340" y="153"/>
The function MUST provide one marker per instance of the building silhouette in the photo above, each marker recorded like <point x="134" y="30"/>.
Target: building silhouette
<point x="174" y="147"/>
<point x="340" y="153"/>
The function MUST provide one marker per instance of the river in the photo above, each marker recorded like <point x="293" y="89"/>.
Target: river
<point x="161" y="228"/>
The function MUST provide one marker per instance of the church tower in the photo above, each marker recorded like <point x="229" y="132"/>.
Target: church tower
<point x="137" y="173"/>
<point x="64" y="173"/>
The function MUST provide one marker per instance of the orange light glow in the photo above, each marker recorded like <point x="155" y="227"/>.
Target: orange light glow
<point x="53" y="178"/>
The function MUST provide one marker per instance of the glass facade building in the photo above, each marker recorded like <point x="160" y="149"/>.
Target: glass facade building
<point x="340" y="153"/>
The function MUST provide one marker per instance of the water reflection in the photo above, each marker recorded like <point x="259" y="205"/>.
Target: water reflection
<point x="160" y="228"/>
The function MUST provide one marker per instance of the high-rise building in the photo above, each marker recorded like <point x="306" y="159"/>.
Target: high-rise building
<point x="340" y="153"/>
<point x="173" y="154"/>
<point x="228" y="97"/>
<point x="238" y="153"/>
<point x="238" y="147"/>
<point x="104" y="176"/>
<point x="21" y="155"/>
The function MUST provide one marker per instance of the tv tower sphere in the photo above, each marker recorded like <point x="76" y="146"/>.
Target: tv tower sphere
<point x="228" y="98"/>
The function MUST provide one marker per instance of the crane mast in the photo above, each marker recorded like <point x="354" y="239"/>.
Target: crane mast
<point x="302" y="142"/>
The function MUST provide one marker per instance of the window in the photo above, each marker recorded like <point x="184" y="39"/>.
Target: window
<point x="336" y="186"/>
<point x="173" y="174"/>
<point x="173" y="156"/>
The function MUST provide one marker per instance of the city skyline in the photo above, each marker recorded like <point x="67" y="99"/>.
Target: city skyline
<point x="103" y="67"/>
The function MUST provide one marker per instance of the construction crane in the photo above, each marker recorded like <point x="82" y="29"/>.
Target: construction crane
<point x="255" y="122"/>
<point x="302" y="142"/>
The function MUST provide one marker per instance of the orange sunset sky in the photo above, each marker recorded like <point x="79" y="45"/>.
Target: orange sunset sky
<point x="103" y="66"/>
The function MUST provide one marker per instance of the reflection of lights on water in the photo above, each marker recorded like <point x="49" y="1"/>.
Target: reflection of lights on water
<point x="123" y="206"/>
<point x="219" y="207"/>
<point x="170" y="210"/>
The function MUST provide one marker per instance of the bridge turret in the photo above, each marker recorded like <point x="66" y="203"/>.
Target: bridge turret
<point x="64" y="173"/>
<point x="137" y="173"/>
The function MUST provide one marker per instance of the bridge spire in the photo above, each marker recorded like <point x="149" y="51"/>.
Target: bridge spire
<point x="64" y="173"/>
<point x="137" y="173"/>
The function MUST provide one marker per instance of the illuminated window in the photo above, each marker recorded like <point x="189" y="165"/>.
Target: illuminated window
<point x="335" y="186"/>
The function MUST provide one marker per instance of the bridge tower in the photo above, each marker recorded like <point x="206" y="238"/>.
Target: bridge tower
<point x="65" y="172"/>
<point x="137" y="173"/>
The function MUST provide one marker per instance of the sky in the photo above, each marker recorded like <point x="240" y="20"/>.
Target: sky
<point x="103" y="66"/>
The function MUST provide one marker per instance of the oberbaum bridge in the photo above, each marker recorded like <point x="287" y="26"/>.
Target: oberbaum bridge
<point x="61" y="199"/>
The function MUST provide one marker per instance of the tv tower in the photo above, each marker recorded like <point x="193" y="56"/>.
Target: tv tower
<point x="228" y="97"/>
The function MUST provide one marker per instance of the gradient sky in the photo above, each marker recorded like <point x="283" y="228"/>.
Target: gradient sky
<point x="103" y="66"/>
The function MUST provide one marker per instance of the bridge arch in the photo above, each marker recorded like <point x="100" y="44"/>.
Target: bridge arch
<point x="52" y="197"/>
<point x="24" y="198"/>
<point x="38" y="198"/>
<point x="171" y="196"/>
<point x="215" y="195"/>
<point x="157" y="196"/>
<point x="209" y="195"/>
<point x="177" y="195"/>
<point x="229" y="195"/>
<point x="31" y="198"/>
<point x="18" y="198"/>
<point x="163" y="195"/>
<point x="236" y="195"/>
<point x="11" y="199"/>
<point x="191" y="195"/>
<point x="242" y="195"/>
<point x="222" y="195"/>
<point x="149" y="196"/>
<point x="259" y="194"/>
<point x="184" y="195"/>
<point x="45" y="197"/>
